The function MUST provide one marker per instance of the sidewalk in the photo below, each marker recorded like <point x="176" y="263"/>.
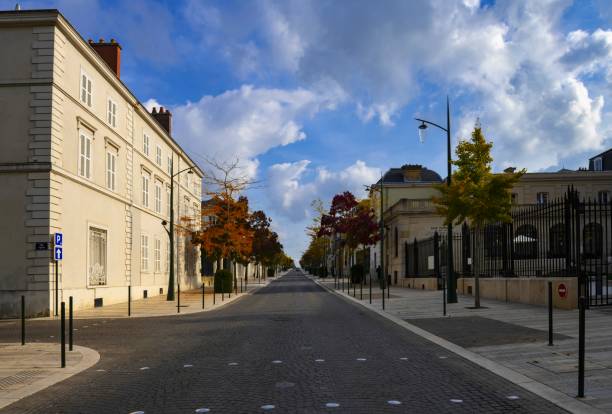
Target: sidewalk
<point x="25" y="370"/>
<point x="513" y="335"/>
<point x="191" y="302"/>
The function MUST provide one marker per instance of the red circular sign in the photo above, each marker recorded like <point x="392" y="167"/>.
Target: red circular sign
<point x="562" y="290"/>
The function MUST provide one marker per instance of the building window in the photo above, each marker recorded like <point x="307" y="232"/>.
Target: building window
<point x="168" y="200"/>
<point x="157" y="255"/>
<point x="85" y="89"/>
<point x="592" y="241"/>
<point x="598" y="164"/>
<point x="145" y="190"/>
<point x="542" y="198"/>
<point x="84" y="155"/>
<point x="514" y="198"/>
<point x="158" y="196"/>
<point x="396" y="241"/>
<point x="97" y="257"/>
<point x="196" y="191"/>
<point x="526" y="242"/>
<point x="169" y="166"/>
<point x="603" y="197"/>
<point x="145" y="144"/>
<point x="556" y="235"/>
<point x="167" y="265"/>
<point x="111" y="169"/>
<point x="144" y="252"/>
<point x="158" y="155"/>
<point x="111" y="113"/>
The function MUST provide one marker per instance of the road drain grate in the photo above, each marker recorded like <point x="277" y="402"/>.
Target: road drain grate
<point x="22" y="377"/>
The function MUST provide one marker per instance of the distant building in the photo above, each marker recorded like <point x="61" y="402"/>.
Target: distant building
<point x="409" y="213"/>
<point x="80" y="155"/>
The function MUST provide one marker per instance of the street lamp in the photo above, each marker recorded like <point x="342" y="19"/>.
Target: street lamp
<point x="452" y="283"/>
<point x="170" y="295"/>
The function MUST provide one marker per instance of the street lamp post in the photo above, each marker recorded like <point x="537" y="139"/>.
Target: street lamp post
<point x="170" y="294"/>
<point x="451" y="283"/>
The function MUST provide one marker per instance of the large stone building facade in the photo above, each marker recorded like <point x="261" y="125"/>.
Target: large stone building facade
<point x="409" y="213"/>
<point x="80" y="155"/>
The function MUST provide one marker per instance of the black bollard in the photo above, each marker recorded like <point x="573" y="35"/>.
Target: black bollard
<point x="222" y="291"/>
<point x="63" y="335"/>
<point x="129" y="300"/>
<point x="178" y="298"/>
<point x="203" y="294"/>
<point x="370" y="289"/>
<point x="22" y="320"/>
<point x="581" y="334"/>
<point x="550" y="314"/>
<point x="70" y="323"/>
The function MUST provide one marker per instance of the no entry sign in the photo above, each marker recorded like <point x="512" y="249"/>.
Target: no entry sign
<point x="562" y="290"/>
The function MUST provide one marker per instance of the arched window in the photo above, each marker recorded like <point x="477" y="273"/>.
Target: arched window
<point x="556" y="239"/>
<point x="493" y="240"/>
<point x="592" y="241"/>
<point x="526" y="242"/>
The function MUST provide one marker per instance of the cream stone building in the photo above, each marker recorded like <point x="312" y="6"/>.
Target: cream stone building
<point x="80" y="155"/>
<point x="409" y="213"/>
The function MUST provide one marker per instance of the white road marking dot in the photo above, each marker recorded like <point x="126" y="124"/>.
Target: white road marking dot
<point x="137" y="412"/>
<point x="361" y="359"/>
<point x="319" y="360"/>
<point x="456" y="400"/>
<point x="394" y="402"/>
<point x="144" y="368"/>
<point x="404" y="359"/>
<point x="187" y="366"/>
<point x="513" y="397"/>
<point x="443" y="357"/>
<point x="202" y="410"/>
<point x="233" y="364"/>
<point x="268" y="407"/>
<point x="101" y="370"/>
<point x="51" y="336"/>
<point x="277" y="361"/>
<point x="332" y="405"/>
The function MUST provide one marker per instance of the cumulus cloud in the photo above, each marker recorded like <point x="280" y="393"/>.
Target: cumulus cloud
<point x="541" y="92"/>
<point x="291" y="187"/>
<point x="247" y="122"/>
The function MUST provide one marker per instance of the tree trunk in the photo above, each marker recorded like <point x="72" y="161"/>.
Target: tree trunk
<point x="476" y="265"/>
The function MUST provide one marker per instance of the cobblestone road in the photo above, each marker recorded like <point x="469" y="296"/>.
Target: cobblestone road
<point x="291" y="346"/>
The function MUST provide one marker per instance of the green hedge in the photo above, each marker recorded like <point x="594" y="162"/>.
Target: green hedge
<point x="227" y="278"/>
<point x="357" y="273"/>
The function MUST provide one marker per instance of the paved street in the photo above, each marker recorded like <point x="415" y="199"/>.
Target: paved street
<point x="291" y="345"/>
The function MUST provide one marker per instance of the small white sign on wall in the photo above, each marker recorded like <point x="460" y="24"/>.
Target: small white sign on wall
<point x="430" y="262"/>
<point x="469" y="260"/>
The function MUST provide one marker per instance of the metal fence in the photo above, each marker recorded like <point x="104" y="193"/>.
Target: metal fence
<point x="566" y="237"/>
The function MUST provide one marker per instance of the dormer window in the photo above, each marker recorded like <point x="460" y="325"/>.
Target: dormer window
<point x="597" y="164"/>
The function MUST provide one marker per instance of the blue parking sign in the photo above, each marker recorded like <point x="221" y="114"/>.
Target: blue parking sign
<point x="58" y="253"/>
<point x="59" y="238"/>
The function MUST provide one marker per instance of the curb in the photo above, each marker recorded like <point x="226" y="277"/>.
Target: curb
<point x="550" y="394"/>
<point x="226" y="302"/>
<point x="89" y="358"/>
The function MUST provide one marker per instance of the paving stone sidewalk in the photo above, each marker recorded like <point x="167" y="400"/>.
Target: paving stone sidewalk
<point x="191" y="302"/>
<point x="27" y="369"/>
<point x="514" y="335"/>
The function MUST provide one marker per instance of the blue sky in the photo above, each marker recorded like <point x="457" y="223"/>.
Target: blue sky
<point x="316" y="97"/>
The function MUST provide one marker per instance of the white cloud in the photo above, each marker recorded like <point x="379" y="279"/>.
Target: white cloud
<point x="541" y="92"/>
<point x="247" y="122"/>
<point x="291" y="187"/>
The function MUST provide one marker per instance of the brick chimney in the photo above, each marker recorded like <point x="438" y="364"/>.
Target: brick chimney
<point x="110" y="52"/>
<point x="164" y="118"/>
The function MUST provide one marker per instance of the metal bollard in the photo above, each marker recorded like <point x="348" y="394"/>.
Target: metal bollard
<point x="22" y="320"/>
<point x="370" y="289"/>
<point x="550" y="314"/>
<point x="203" y="294"/>
<point x="581" y="334"/>
<point x="129" y="300"/>
<point x="222" y="291"/>
<point x="63" y="335"/>
<point x="70" y="323"/>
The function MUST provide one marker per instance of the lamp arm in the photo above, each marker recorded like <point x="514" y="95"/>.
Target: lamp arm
<point x="431" y="123"/>
<point x="183" y="170"/>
